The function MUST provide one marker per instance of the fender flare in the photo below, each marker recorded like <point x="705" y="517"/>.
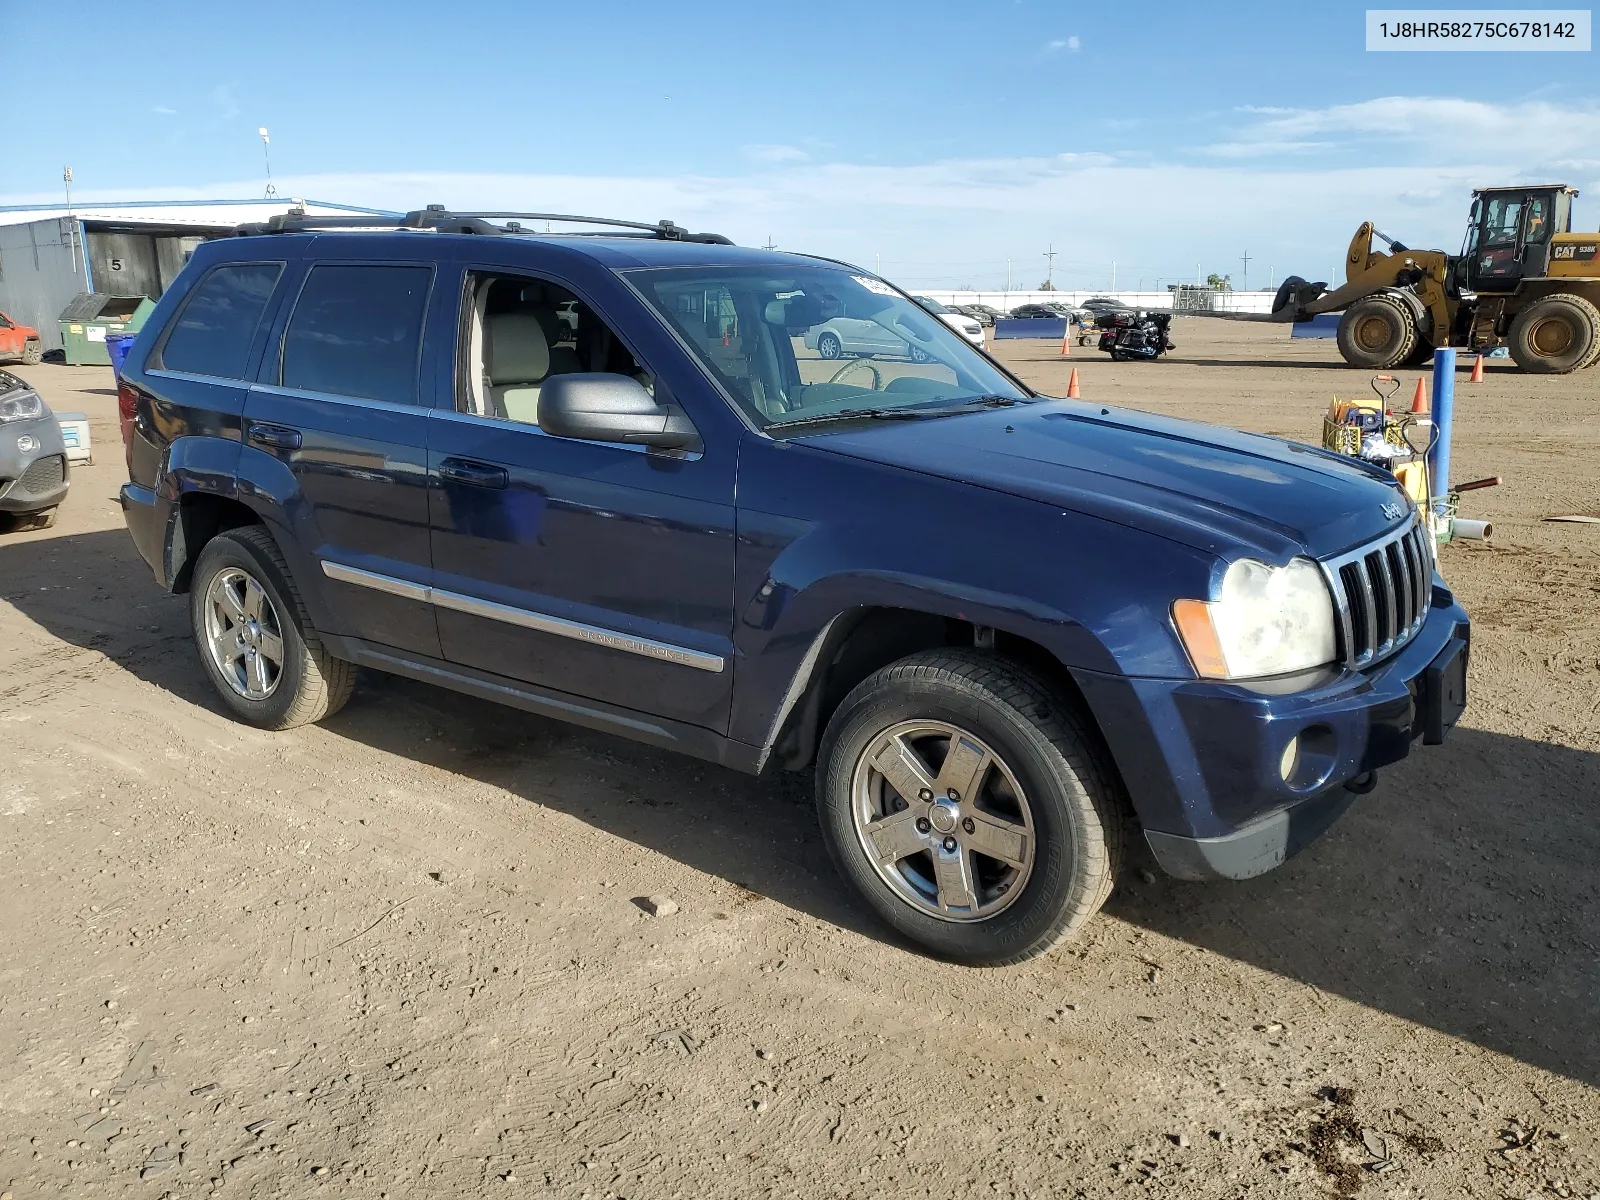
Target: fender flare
<point x="1419" y="311"/>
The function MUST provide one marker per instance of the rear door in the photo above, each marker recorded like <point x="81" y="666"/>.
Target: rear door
<point x="338" y="421"/>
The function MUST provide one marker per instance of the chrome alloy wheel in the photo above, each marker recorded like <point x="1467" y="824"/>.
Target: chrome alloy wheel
<point x="243" y="634"/>
<point x="943" y="820"/>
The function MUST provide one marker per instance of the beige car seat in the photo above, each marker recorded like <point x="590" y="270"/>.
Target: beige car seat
<point x="516" y="360"/>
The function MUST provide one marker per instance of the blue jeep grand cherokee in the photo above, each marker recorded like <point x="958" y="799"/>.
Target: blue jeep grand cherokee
<point x="600" y="478"/>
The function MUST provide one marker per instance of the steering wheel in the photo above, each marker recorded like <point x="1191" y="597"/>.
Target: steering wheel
<point x="877" y="377"/>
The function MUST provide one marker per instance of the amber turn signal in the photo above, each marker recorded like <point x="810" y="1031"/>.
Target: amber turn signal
<point x="1199" y="637"/>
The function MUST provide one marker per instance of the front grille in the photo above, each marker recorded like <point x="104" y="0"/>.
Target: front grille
<point x="42" y="475"/>
<point x="1381" y="593"/>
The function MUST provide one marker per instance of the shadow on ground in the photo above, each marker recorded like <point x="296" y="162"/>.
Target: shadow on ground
<point x="1460" y="895"/>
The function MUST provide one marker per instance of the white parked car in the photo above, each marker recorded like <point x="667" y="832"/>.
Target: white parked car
<point x="967" y="327"/>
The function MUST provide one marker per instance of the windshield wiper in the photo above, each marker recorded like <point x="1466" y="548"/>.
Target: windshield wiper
<point x="845" y="414"/>
<point x="901" y="414"/>
<point x="996" y="401"/>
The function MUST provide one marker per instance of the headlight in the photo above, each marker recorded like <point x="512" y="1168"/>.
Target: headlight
<point x="21" y="406"/>
<point x="1267" y="621"/>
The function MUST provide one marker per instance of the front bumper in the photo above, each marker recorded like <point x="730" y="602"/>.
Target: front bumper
<point x="36" y="478"/>
<point x="1214" y="800"/>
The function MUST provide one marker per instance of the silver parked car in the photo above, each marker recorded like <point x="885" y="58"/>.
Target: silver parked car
<point x="33" y="457"/>
<point x="839" y="336"/>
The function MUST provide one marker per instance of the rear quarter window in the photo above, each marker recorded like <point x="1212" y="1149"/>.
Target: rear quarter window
<point x="357" y="331"/>
<point x="217" y="324"/>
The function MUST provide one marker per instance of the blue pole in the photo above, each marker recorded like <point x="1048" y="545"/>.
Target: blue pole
<point x="1444" y="411"/>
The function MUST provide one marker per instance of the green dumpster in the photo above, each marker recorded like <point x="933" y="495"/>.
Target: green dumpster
<point x="86" y="321"/>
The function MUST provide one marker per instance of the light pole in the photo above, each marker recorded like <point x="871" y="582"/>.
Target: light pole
<point x="72" y="226"/>
<point x="267" y="155"/>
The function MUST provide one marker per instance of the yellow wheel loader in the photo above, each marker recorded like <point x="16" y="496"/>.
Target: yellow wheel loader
<point x="1523" y="279"/>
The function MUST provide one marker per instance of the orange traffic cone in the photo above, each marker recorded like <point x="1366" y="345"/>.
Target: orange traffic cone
<point x="1072" y="385"/>
<point x="1477" y="370"/>
<point x="1066" y="341"/>
<point x="1419" y="400"/>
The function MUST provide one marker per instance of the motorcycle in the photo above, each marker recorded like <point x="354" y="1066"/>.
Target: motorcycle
<point x="1134" y="336"/>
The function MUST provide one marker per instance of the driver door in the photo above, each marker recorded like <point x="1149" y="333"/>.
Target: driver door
<point x="600" y="570"/>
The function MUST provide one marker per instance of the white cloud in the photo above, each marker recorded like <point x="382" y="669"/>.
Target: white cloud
<point x="1262" y="149"/>
<point x="1067" y="43"/>
<point x="1292" y="199"/>
<point x="1450" y="128"/>
<point x="764" y="152"/>
<point x="163" y="111"/>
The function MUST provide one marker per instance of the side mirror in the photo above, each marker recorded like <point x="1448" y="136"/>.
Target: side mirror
<point x="611" y="408"/>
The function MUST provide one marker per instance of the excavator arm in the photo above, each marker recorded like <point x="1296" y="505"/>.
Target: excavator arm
<point x="1424" y="274"/>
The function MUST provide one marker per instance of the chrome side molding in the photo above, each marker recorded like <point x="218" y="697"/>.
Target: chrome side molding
<point x="525" y="618"/>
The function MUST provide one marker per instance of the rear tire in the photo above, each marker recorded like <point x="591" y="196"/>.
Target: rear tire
<point x="306" y="683"/>
<point x="32" y="352"/>
<point x="1377" y="332"/>
<point x="1556" y="335"/>
<point x="1044" y="797"/>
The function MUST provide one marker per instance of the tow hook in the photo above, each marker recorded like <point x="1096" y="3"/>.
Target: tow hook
<point x="1362" y="784"/>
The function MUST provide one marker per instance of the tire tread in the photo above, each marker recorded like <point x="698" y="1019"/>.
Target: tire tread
<point x="1055" y="716"/>
<point x="328" y="681"/>
<point x="1533" y="364"/>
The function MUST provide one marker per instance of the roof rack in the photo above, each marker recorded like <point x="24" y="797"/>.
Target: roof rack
<point x="438" y="219"/>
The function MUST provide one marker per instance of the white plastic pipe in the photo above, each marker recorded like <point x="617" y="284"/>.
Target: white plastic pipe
<point x="1472" y="531"/>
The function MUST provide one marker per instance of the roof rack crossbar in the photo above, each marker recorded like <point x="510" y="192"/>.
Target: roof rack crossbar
<point x="664" y="229"/>
<point x="436" y="217"/>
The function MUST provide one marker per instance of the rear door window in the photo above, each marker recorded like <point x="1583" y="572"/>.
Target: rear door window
<point x="217" y="324"/>
<point x="357" y="331"/>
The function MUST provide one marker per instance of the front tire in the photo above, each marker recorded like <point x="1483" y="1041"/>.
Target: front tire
<point x="32" y="352"/>
<point x="257" y="644"/>
<point x="1011" y="835"/>
<point x="829" y="346"/>
<point x="1555" y="335"/>
<point x="1377" y="332"/>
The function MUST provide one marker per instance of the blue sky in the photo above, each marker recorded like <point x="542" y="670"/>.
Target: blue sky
<point x="938" y="138"/>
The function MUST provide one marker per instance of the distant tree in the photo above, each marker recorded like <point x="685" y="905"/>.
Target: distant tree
<point x="1047" y="286"/>
<point x="1222" y="283"/>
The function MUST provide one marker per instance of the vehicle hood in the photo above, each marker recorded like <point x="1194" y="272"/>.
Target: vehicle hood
<point x="1212" y="488"/>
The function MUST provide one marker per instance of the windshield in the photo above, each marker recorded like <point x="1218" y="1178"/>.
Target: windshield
<point x="931" y="304"/>
<point x="798" y="343"/>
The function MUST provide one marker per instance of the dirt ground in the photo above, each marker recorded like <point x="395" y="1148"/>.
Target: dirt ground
<point x="399" y="955"/>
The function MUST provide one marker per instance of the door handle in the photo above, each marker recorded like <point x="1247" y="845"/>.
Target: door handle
<point x="278" y="437"/>
<point x="474" y="474"/>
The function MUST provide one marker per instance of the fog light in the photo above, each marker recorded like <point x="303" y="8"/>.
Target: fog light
<point x="27" y="444"/>
<point x="1290" y="762"/>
